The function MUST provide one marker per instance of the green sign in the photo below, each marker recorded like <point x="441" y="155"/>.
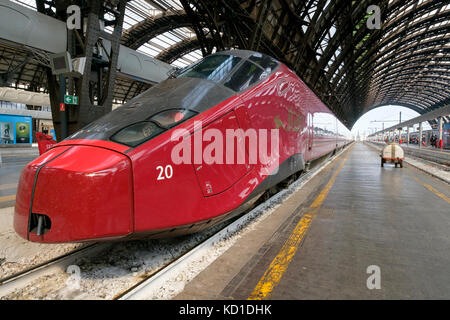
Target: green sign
<point x="70" y="99"/>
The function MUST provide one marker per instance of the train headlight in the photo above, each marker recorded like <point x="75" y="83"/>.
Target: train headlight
<point x="137" y="133"/>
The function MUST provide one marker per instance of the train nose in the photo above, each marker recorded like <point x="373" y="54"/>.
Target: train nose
<point x="75" y="193"/>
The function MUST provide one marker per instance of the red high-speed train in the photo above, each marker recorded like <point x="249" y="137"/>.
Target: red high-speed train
<point x="116" y="179"/>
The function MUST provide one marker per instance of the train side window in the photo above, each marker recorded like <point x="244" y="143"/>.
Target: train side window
<point x="247" y="74"/>
<point x="267" y="63"/>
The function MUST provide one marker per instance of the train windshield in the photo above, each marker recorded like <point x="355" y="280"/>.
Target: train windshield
<point x="267" y="63"/>
<point x="247" y="74"/>
<point x="231" y="70"/>
<point x="215" y="67"/>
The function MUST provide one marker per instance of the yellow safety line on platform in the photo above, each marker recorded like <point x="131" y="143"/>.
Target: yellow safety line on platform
<point x="436" y="192"/>
<point x="7" y="198"/>
<point x="279" y="265"/>
<point x="8" y="186"/>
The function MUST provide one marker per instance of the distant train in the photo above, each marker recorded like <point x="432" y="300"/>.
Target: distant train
<point x="426" y="137"/>
<point x="117" y="178"/>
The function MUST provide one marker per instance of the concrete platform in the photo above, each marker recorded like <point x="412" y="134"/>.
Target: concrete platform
<point x="353" y="228"/>
<point x="12" y="161"/>
<point x="10" y="153"/>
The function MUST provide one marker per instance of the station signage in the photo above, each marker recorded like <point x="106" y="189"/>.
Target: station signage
<point x="70" y="99"/>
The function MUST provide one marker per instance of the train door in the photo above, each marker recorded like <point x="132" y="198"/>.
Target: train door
<point x="221" y="165"/>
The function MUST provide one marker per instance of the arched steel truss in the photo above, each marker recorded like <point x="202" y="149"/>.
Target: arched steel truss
<point x="350" y="67"/>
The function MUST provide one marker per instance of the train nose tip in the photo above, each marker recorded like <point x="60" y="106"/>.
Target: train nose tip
<point x="82" y="193"/>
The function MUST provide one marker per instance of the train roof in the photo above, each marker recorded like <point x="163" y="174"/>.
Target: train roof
<point x="244" y="54"/>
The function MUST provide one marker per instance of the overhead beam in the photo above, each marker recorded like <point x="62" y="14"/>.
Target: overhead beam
<point x="38" y="31"/>
<point x="430" y="116"/>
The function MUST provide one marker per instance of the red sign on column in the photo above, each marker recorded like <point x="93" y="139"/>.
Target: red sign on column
<point x="62" y="107"/>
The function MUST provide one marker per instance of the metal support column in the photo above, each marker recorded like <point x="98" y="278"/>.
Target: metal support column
<point x="420" y="134"/>
<point x="97" y="84"/>
<point x="95" y="87"/>
<point x="62" y="107"/>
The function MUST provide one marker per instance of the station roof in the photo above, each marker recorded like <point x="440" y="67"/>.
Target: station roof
<point x="351" y="67"/>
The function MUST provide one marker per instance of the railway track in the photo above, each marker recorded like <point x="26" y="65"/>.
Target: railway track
<point x="146" y="285"/>
<point x="10" y="283"/>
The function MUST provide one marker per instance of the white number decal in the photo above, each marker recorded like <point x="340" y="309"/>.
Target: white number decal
<point x="168" y="171"/>
<point x="165" y="173"/>
<point x="160" y="176"/>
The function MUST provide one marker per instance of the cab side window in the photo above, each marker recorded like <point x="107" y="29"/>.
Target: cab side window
<point x="267" y="63"/>
<point x="247" y="74"/>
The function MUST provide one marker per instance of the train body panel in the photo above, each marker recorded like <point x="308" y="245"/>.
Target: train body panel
<point x="95" y="196"/>
<point x="179" y="157"/>
<point x="24" y="195"/>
